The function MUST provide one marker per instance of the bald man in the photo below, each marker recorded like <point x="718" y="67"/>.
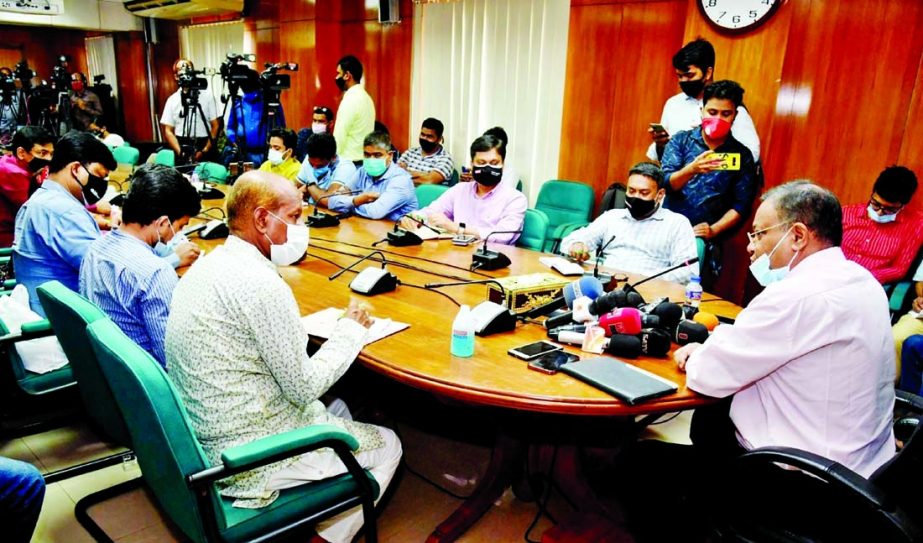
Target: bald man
<point x="237" y="353"/>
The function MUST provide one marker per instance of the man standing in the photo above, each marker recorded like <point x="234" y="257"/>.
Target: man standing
<point x="387" y="190"/>
<point x="85" y="105"/>
<point x="356" y="114"/>
<point x="122" y="272"/>
<point x="21" y="173"/>
<point x="281" y="160"/>
<point x="882" y="236"/>
<point x="644" y="238"/>
<point x="430" y="163"/>
<point x="323" y="171"/>
<point x="695" y="69"/>
<point x="184" y="129"/>
<point x="53" y="228"/>
<point x="481" y="207"/>
<point x="237" y="353"/>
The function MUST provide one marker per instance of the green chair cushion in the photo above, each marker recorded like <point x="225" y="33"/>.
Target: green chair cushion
<point x="36" y="384"/>
<point x="212" y="171"/>
<point x="126" y="155"/>
<point x="564" y="202"/>
<point x="534" y="228"/>
<point x="165" y="157"/>
<point x="427" y="194"/>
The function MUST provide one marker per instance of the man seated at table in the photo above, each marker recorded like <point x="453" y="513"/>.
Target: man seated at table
<point x="808" y="363"/>
<point x="281" y="158"/>
<point x="322" y="120"/>
<point x="644" y="238"/>
<point x="323" y="172"/>
<point x="122" y="272"/>
<point x="237" y="352"/>
<point x="484" y="206"/>
<point x="430" y="163"/>
<point x="387" y="190"/>
<point x="909" y="324"/>
<point x="714" y="199"/>
<point x="882" y="236"/>
<point x="21" y="173"/>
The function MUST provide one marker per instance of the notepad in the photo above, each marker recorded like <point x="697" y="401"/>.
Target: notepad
<point x="427" y="234"/>
<point x="322" y="324"/>
<point x="628" y="383"/>
<point x="562" y="265"/>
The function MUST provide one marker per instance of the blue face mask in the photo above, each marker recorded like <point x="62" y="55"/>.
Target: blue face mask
<point x="766" y="275"/>
<point x="881" y="219"/>
<point x="320" y="173"/>
<point x="163" y="249"/>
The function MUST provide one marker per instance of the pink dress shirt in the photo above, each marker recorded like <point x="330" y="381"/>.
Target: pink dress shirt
<point x="811" y="361"/>
<point x="501" y="209"/>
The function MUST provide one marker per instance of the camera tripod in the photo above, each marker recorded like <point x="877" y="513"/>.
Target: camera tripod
<point x="191" y="114"/>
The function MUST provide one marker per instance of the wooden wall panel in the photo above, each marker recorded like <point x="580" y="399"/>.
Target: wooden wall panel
<point x="41" y="46"/>
<point x="911" y="154"/>
<point x="297" y="45"/>
<point x="133" y="86"/>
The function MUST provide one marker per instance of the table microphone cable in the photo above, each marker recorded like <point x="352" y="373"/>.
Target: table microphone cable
<point x="424" y="259"/>
<point x="394" y="263"/>
<point x="422" y="477"/>
<point x="205" y="215"/>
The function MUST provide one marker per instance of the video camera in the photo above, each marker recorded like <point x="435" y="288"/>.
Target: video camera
<point x="271" y="80"/>
<point x="60" y="75"/>
<point x="190" y="79"/>
<point x="7" y="88"/>
<point x="24" y="74"/>
<point x="233" y="72"/>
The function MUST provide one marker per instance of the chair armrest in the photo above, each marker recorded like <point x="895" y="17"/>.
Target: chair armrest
<point x="908" y="400"/>
<point x="9" y="284"/>
<point x="278" y="447"/>
<point x="29" y="330"/>
<point x="829" y="471"/>
<point x="562" y="231"/>
<point x="6" y="251"/>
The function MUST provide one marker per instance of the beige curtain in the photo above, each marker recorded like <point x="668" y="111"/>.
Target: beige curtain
<point x="101" y="61"/>
<point x="207" y="46"/>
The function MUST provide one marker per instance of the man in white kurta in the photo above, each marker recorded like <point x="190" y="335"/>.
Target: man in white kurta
<point x="237" y="353"/>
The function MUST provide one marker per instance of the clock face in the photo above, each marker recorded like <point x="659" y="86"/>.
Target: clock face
<point x="738" y="15"/>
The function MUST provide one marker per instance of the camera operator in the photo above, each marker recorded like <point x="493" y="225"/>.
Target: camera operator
<point x="85" y="105"/>
<point x="197" y="137"/>
<point x="12" y="106"/>
<point x="246" y="129"/>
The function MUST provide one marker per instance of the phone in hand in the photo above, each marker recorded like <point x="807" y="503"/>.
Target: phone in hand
<point x="730" y="161"/>
<point x="550" y="363"/>
<point x="657" y="127"/>
<point x="532" y="351"/>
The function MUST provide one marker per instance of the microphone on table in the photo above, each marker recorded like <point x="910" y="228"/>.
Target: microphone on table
<point x="649" y="342"/>
<point x="371" y="280"/>
<point x="400" y="237"/>
<point x="491" y="260"/>
<point x="670" y="313"/>
<point x="588" y="287"/>
<point x="690" y="332"/>
<point x="627" y="320"/>
<point x="489" y="317"/>
<point x="324" y="220"/>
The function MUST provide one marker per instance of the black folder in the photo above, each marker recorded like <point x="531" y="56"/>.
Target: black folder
<point x="628" y="383"/>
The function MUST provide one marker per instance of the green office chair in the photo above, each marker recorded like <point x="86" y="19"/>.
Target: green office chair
<point x="165" y="157"/>
<point x="212" y="171"/>
<point x="568" y="205"/>
<point x="183" y="481"/>
<point x="427" y="194"/>
<point x="452" y="180"/>
<point x="534" y="228"/>
<point x="126" y="155"/>
<point x="519" y="185"/>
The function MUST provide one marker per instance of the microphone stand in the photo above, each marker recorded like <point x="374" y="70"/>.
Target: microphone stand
<point x="491" y="260"/>
<point x="325" y="220"/>
<point x="491" y="316"/>
<point x="629" y="288"/>
<point x="605" y="279"/>
<point x="356" y="263"/>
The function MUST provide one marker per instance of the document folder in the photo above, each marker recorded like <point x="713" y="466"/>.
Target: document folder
<point x="624" y="381"/>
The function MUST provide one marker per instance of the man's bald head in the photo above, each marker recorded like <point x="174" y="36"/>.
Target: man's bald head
<point x="258" y="189"/>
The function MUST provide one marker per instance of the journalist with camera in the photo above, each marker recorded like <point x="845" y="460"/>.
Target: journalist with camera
<point x="190" y="118"/>
<point x="85" y="104"/>
<point x="12" y="106"/>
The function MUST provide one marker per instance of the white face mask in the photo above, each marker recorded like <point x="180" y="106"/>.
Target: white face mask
<point x="318" y="128"/>
<point x="880" y="219"/>
<point x="295" y="246"/>
<point x="275" y="157"/>
<point x="766" y="275"/>
<point x="162" y="249"/>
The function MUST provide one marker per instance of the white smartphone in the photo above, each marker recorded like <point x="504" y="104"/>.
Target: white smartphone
<point x="532" y="351"/>
<point x="463" y="240"/>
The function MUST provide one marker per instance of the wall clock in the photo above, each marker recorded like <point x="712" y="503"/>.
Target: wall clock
<point x="738" y="15"/>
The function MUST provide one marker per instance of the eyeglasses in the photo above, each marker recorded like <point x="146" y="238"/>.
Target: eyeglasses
<point x="881" y="208"/>
<point x="758" y="235"/>
<point x="322" y="110"/>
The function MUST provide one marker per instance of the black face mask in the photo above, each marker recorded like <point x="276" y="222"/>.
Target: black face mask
<point x="692" y="88"/>
<point x="488" y="176"/>
<point x="341" y="83"/>
<point x="95" y="188"/>
<point x="640" y="208"/>
<point x="428" y="146"/>
<point x="37" y="164"/>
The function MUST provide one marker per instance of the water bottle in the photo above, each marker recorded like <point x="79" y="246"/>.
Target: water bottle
<point x="694" y="291"/>
<point x="463" y="333"/>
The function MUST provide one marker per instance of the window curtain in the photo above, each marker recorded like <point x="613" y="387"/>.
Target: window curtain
<point x="207" y="46"/>
<point x="484" y="63"/>
<point x="101" y="61"/>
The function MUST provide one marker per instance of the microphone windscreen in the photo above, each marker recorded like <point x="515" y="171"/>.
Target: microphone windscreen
<point x="708" y="319"/>
<point x="670" y="314"/>
<point x="651" y="321"/>
<point x="655" y="342"/>
<point x="634" y="299"/>
<point x="607" y="302"/>
<point x="625" y="320"/>
<point x="585" y="286"/>
<point x="624" y="345"/>
<point x="690" y="332"/>
<point x="559" y="320"/>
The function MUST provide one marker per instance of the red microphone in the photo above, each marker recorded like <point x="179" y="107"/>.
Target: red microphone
<point x="627" y="320"/>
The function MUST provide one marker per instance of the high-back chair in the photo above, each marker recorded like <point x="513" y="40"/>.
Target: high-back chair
<point x="165" y="157"/>
<point x="427" y="194"/>
<point x="126" y="154"/>
<point x="182" y="479"/>
<point x="568" y="205"/>
<point x="534" y="229"/>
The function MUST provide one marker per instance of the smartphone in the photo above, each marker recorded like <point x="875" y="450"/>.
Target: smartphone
<point x="550" y="363"/>
<point x="463" y="240"/>
<point x="731" y="160"/>
<point x="532" y="351"/>
<point x="657" y="127"/>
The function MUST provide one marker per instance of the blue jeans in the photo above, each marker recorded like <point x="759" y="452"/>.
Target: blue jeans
<point x="22" y="490"/>
<point x="912" y="365"/>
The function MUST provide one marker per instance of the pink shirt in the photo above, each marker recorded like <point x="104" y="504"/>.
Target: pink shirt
<point x="811" y="361"/>
<point x="501" y="209"/>
<point x="886" y="250"/>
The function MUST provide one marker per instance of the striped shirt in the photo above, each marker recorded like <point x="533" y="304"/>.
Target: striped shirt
<point x="122" y="275"/>
<point x="886" y="250"/>
<point x="441" y="161"/>
<point x="646" y="247"/>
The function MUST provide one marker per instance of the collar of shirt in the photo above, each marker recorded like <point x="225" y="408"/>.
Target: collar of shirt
<point x="728" y="146"/>
<point x="131" y="239"/>
<point x="497" y="189"/>
<point x="440" y="151"/>
<point x="51" y="184"/>
<point x="389" y="173"/>
<point x="658" y="215"/>
<point x="240" y="247"/>
<point x="818" y="262"/>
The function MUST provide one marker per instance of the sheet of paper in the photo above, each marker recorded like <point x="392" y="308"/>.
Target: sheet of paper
<point x="426" y="233"/>
<point x="322" y="323"/>
<point x="562" y="265"/>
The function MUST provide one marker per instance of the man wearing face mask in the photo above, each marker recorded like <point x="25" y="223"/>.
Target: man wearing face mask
<point x="484" y="206"/>
<point x="429" y="163"/>
<point x="323" y="172"/>
<point x="387" y="190"/>
<point x="281" y="160"/>
<point x="356" y="114"/>
<point x="21" y="173"/>
<point x="713" y="198"/>
<point x="694" y="65"/>
<point x="881" y="235"/>
<point x="237" y="353"/>
<point x="645" y="237"/>
<point x="123" y="272"/>
<point x="322" y="120"/>
<point x="85" y="105"/>
<point x="53" y="229"/>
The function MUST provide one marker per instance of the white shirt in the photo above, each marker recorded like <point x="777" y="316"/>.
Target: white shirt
<point x="354" y="121"/>
<point x="811" y="361"/>
<point x="509" y="178"/>
<point x="682" y="112"/>
<point x="173" y="115"/>
<point x="647" y="246"/>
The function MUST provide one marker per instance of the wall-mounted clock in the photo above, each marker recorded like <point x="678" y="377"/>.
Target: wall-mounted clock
<point x="738" y="15"/>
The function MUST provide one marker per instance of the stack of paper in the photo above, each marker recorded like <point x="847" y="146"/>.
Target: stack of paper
<point x="322" y="323"/>
<point x="562" y="265"/>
